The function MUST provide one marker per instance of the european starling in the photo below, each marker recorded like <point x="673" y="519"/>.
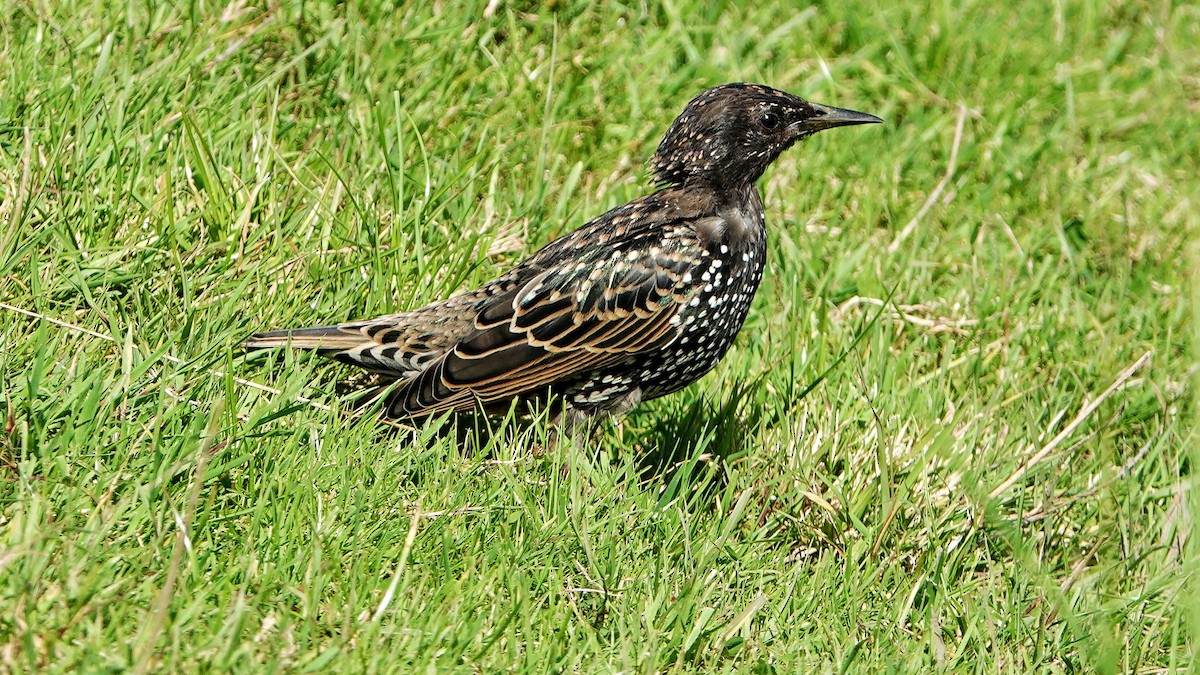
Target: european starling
<point x="636" y="304"/>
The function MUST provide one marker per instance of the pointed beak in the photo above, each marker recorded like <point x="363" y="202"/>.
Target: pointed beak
<point x="828" y="117"/>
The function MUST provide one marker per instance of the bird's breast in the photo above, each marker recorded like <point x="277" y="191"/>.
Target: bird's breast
<point x="724" y="284"/>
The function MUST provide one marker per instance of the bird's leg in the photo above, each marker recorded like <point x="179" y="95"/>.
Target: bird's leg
<point x="624" y="404"/>
<point x="581" y="424"/>
<point x="573" y="423"/>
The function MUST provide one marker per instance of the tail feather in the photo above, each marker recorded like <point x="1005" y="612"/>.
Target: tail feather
<point x="323" y="339"/>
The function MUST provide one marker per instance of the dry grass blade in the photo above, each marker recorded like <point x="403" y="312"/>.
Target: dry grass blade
<point x="1084" y="413"/>
<point x="413" y="526"/>
<point x="158" y="613"/>
<point x="934" y="196"/>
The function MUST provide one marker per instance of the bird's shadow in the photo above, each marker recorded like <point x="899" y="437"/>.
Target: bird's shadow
<point x="683" y="444"/>
<point x="479" y="432"/>
<point x="688" y="447"/>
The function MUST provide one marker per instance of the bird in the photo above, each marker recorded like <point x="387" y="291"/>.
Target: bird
<point x="637" y="303"/>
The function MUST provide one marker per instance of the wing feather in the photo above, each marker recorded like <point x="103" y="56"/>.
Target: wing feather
<point x="565" y="321"/>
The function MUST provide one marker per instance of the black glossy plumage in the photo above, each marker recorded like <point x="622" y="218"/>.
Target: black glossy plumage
<point x="636" y="304"/>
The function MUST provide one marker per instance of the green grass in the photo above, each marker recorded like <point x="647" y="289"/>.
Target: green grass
<point x="945" y="499"/>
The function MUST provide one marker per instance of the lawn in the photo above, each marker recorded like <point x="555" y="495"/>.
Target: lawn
<point x="955" y="435"/>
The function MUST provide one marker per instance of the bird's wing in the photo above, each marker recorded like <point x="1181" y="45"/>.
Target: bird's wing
<point x="590" y="311"/>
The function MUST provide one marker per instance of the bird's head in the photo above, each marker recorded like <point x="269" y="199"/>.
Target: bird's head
<point x="728" y="135"/>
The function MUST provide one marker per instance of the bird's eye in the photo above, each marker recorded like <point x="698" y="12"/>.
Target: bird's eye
<point x="769" y="120"/>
